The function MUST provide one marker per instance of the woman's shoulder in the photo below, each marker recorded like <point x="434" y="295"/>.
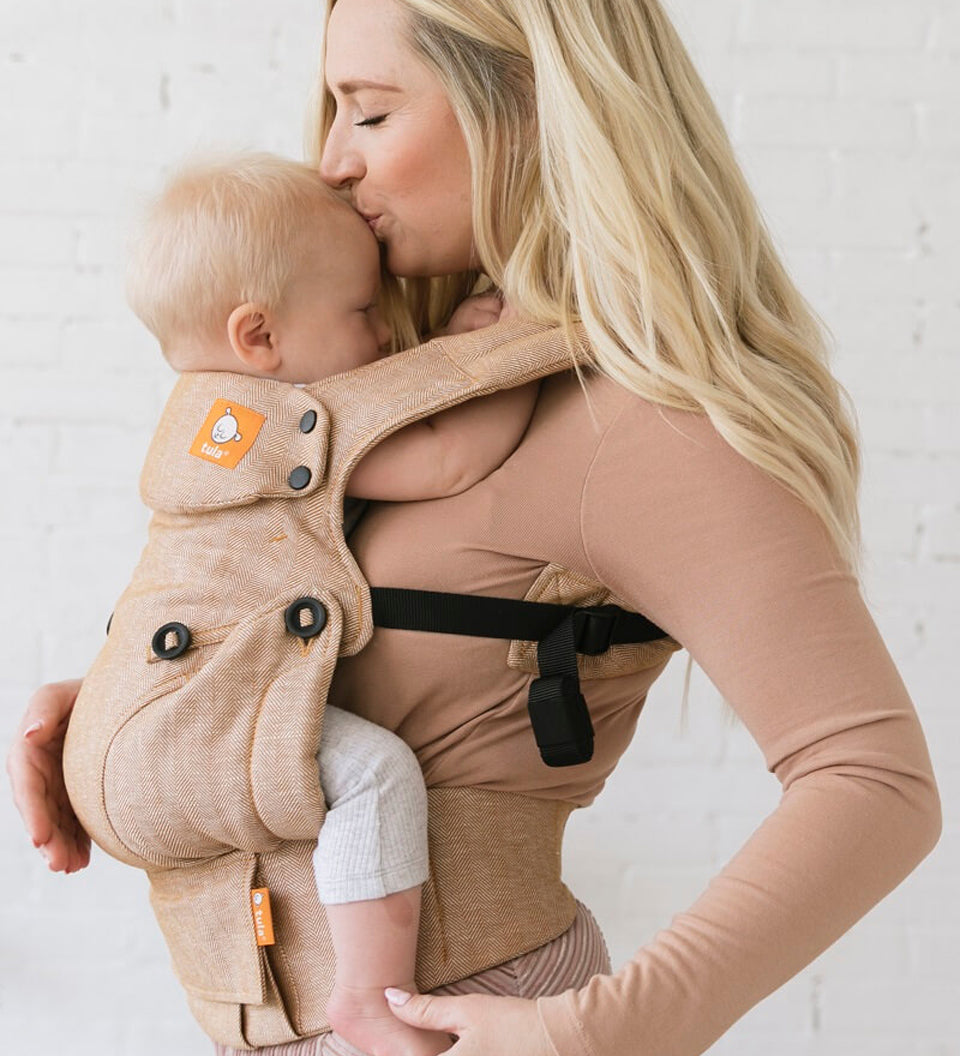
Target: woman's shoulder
<point x="632" y="429"/>
<point x="671" y="508"/>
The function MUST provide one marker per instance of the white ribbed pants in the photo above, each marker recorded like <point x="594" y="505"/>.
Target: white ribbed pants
<point x="373" y="840"/>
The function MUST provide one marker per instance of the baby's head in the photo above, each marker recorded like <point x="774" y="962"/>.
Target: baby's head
<point x="251" y="263"/>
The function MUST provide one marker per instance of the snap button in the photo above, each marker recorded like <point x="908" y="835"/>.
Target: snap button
<point x="180" y="645"/>
<point x="299" y="478"/>
<point x="308" y="422"/>
<point x="293" y="617"/>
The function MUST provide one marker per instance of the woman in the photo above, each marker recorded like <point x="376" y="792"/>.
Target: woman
<point x="703" y="471"/>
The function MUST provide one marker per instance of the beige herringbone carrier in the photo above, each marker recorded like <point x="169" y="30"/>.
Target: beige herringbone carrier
<point x="191" y="751"/>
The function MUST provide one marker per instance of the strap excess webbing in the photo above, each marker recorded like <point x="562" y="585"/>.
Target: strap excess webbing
<point x="558" y="712"/>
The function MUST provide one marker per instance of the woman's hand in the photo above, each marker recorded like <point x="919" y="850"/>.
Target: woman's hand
<point x="474" y="313"/>
<point x="35" y="767"/>
<point x="484" y="1025"/>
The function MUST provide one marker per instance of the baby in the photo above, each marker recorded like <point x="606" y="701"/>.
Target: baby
<point x="252" y="264"/>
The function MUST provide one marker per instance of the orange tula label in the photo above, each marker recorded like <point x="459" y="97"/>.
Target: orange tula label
<point x="262" y="917"/>
<point x="227" y="434"/>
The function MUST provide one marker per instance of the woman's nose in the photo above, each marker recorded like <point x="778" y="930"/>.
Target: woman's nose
<point x="339" y="162"/>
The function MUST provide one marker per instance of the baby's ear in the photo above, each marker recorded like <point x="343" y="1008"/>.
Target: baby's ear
<point x="251" y="338"/>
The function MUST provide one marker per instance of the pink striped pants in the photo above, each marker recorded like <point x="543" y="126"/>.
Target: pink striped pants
<point x="567" y="961"/>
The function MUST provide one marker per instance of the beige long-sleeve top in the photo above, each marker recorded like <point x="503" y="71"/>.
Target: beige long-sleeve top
<point x="654" y="504"/>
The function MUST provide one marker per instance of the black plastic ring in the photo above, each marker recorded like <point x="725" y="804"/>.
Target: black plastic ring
<point x="291" y="617"/>
<point x="171" y="652"/>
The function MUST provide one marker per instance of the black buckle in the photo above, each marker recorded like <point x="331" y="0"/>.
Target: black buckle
<point x="593" y="628"/>
<point x="560" y="720"/>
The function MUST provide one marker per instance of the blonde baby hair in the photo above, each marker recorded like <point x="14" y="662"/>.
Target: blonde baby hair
<point x="226" y="229"/>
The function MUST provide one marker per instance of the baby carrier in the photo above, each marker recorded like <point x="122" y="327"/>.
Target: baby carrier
<point x="191" y="749"/>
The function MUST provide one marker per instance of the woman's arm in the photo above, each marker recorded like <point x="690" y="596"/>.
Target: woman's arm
<point x="448" y="452"/>
<point x="35" y="768"/>
<point x="740" y="572"/>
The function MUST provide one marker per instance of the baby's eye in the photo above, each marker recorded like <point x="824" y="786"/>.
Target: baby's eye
<point x="369" y="122"/>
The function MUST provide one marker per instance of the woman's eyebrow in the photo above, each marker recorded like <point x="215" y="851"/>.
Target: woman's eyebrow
<point x="349" y="87"/>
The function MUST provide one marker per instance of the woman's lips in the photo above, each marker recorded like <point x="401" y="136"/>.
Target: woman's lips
<point x="372" y="221"/>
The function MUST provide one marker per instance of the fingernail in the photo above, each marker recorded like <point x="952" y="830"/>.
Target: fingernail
<point x="33" y="729"/>
<point x="395" y="996"/>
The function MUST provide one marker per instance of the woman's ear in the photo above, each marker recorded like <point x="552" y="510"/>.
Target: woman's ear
<point x="252" y="339"/>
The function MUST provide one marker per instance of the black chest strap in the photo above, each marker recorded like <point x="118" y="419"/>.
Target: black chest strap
<point x="558" y="712"/>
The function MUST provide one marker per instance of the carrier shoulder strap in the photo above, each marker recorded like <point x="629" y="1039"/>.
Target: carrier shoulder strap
<point x="377" y="399"/>
<point x="558" y="711"/>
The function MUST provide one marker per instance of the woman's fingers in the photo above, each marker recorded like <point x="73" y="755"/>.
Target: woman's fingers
<point x="483" y="1024"/>
<point x="35" y="769"/>
<point x="50" y="706"/>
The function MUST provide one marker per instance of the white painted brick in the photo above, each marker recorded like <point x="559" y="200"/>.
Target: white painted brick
<point x="95" y="451"/>
<point x="891" y="427"/>
<point x="945" y="33"/>
<point x="812" y="273"/>
<point x="706" y="25"/>
<point x="122" y="344"/>
<point x="71" y="395"/>
<point x="900" y="373"/>
<point x="100" y="244"/>
<point x="35" y="241"/>
<point x="942" y="429"/>
<point x="937" y="123"/>
<point x="932" y="952"/>
<point x="849" y="125"/>
<point x="868" y="953"/>
<point x="877" y="275"/>
<point x="45" y="293"/>
<point x="941" y="538"/>
<point x="787" y="175"/>
<point x="867" y="1009"/>
<point x="33" y="343"/>
<point x="865" y="328"/>
<point x="851" y="25"/>
<point x="38" y="133"/>
<point x="909" y="77"/>
<point x="771" y="72"/>
<point x="655" y="894"/>
<point x="942" y="337"/>
<point x="70" y="188"/>
<point x="889" y="528"/>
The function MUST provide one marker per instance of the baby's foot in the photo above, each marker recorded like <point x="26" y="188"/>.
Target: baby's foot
<point x="362" y="1016"/>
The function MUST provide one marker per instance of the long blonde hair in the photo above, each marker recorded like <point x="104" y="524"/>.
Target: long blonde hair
<point x="606" y="190"/>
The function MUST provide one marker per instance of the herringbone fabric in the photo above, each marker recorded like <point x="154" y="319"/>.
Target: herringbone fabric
<point x="567" y="961"/>
<point x="201" y="768"/>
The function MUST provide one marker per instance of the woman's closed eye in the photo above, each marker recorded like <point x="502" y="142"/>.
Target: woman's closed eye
<point x="369" y="122"/>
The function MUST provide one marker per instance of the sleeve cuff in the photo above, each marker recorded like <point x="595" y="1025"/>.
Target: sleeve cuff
<point x="561" y="1026"/>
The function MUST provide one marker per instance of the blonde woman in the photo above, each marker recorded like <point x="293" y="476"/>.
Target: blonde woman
<point x="702" y="469"/>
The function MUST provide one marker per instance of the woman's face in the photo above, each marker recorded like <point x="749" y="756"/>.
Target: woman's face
<point x="398" y="150"/>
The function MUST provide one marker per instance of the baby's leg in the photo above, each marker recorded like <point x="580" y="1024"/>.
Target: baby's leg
<point x="370" y="861"/>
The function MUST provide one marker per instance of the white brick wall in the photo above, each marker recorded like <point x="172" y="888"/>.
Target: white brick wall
<point x="844" y="113"/>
